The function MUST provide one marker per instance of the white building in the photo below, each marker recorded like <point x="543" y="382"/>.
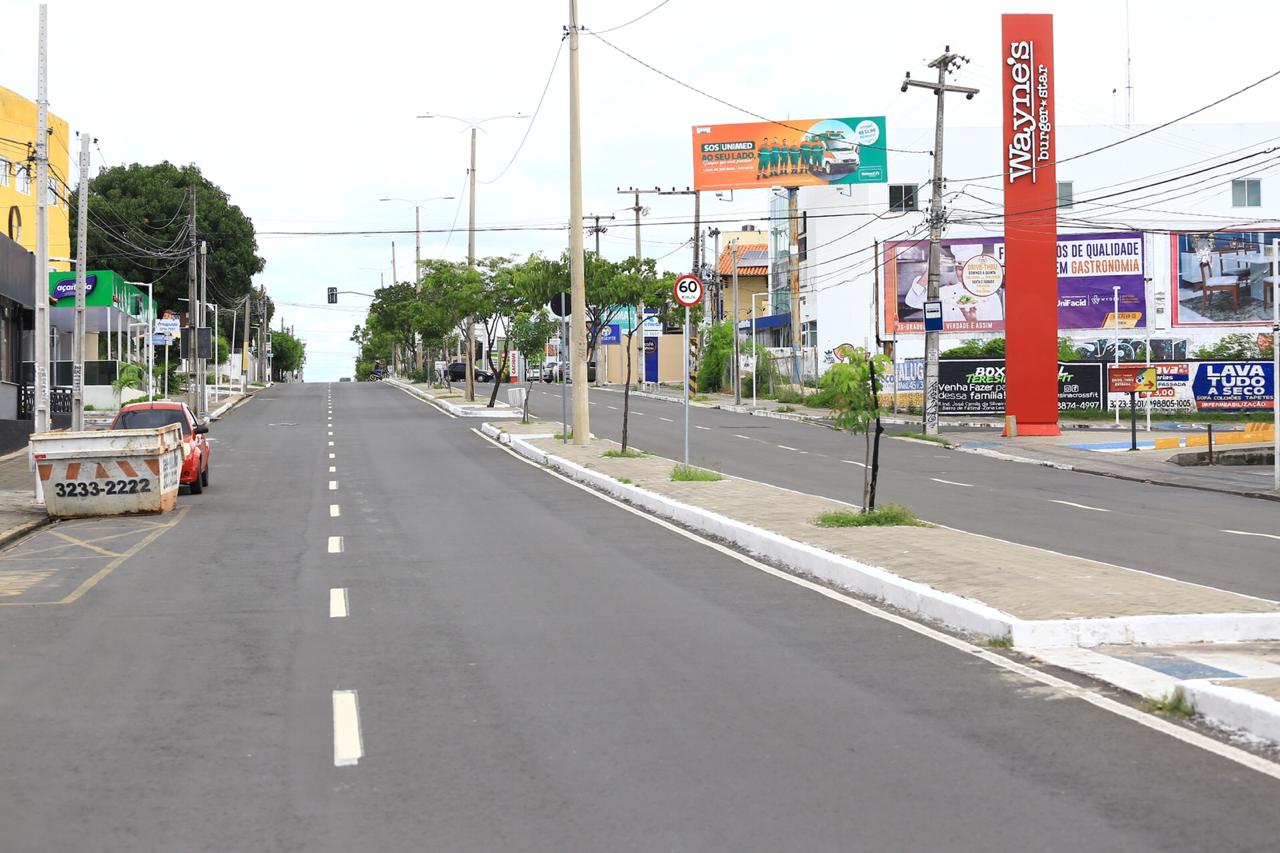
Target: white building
<point x="1175" y="187"/>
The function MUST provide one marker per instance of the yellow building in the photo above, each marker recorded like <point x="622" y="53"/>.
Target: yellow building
<point x="18" y="121"/>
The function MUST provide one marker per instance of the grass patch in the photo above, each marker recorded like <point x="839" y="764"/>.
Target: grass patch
<point x="786" y="410"/>
<point x="629" y="453"/>
<point x="889" y="515"/>
<point x="690" y="474"/>
<point x="561" y="436"/>
<point x="920" y="436"/>
<point x="1173" y="704"/>
<point x="1165" y="417"/>
<point x="701" y="398"/>
<point x="1002" y="642"/>
<point x="625" y="481"/>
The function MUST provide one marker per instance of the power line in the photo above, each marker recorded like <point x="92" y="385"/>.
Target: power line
<point x="638" y="18"/>
<point x="529" y="127"/>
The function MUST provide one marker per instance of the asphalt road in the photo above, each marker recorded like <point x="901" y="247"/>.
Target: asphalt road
<point x="1180" y="533"/>
<point x="530" y="668"/>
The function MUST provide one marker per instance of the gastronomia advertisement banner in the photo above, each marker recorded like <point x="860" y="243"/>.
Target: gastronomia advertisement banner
<point x="976" y="386"/>
<point x="973" y="282"/>
<point x="791" y="153"/>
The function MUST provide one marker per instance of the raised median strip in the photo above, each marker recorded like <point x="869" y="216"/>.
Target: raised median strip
<point x="454" y="401"/>
<point x="1033" y="597"/>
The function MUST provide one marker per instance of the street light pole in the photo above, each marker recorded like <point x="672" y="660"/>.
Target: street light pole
<point x="577" y="278"/>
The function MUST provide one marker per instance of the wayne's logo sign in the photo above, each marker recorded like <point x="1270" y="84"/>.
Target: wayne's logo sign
<point x="1029" y="109"/>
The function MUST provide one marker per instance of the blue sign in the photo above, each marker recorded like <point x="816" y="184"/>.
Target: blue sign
<point x="610" y="334"/>
<point x="933" y="316"/>
<point x="67" y="287"/>
<point x="1233" y="386"/>
<point x="909" y="374"/>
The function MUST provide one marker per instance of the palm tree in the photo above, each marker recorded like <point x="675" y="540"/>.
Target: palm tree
<point x="129" y="376"/>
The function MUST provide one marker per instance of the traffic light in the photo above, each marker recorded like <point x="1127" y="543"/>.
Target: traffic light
<point x="333" y="296"/>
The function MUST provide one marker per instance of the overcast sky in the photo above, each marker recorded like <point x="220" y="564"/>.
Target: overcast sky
<point x="304" y="112"/>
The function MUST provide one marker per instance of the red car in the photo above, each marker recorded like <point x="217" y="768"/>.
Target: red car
<point x="195" y="450"/>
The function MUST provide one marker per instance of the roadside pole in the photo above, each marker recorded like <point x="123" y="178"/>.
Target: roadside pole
<point x="564" y="381"/>
<point x="688" y="292"/>
<point x="737" y="365"/>
<point x="1115" y="334"/>
<point x="41" y="290"/>
<point x="1275" y="362"/>
<point x="755" y="373"/>
<point x="82" y="258"/>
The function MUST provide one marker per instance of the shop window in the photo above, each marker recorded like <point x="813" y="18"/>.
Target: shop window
<point x="904" y="197"/>
<point x="1246" y="193"/>
<point x="4" y="172"/>
<point x="24" y="180"/>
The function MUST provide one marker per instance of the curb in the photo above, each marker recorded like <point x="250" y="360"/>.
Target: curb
<point x="229" y="406"/>
<point x="1236" y="707"/>
<point x="18" y="531"/>
<point x="957" y="612"/>
<point x="453" y="409"/>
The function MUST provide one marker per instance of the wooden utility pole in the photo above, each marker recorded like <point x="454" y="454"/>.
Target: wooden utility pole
<point x="577" y="277"/>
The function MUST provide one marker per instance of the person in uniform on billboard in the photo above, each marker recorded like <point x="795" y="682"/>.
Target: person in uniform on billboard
<point x="764" y="157"/>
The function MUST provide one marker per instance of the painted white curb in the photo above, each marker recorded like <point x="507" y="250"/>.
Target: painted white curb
<point x="500" y="410"/>
<point x="1232" y="706"/>
<point x="955" y="611"/>
<point x="1009" y="457"/>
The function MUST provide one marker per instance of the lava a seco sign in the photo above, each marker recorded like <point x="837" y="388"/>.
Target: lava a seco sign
<point x="1031" y="224"/>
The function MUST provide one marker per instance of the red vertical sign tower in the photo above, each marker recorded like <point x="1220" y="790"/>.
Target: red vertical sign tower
<point x="1031" y="224"/>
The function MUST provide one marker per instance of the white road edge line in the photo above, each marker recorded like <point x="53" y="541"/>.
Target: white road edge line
<point x="851" y="462"/>
<point x="1085" y="506"/>
<point x="339" y="606"/>
<point x="1064" y="687"/>
<point x="789" y="447"/>
<point x="952" y="483"/>
<point x="335" y="511"/>
<point x="1250" y="533"/>
<point x="335" y="544"/>
<point x="348" y="748"/>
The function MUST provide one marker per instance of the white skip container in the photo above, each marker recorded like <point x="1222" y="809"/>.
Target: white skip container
<point x="108" y="472"/>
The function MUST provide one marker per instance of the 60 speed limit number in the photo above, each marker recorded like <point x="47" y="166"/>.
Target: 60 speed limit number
<point x="688" y="290"/>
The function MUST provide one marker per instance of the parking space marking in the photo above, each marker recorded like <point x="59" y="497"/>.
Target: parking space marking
<point x="347" y="746"/>
<point x="335" y="511"/>
<point x="335" y="544"/>
<point x="339" y="607"/>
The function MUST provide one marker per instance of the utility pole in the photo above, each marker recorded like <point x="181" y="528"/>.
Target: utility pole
<point x="42" y="378"/>
<point x="203" y="365"/>
<point x="244" y="345"/>
<point x="471" y="262"/>
<point x="943" y="64"/>
<point x="717" y="301"/>
<point x="193" y="317"/>
<point x="639" y="211"/>
<point x="597" y="229"/>
<point x="82" y="254"/>
<point x="737" y="362"/>
<point x="394" y="278"/>
<point x="577" y="277"/>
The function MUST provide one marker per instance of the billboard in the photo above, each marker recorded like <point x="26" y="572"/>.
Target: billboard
<point x="974" y="283"/>
<point x="1206" y="386"/>
<point x="1220" y="278"/>
<point x="1031" y="218"/>
<point x="976" y="386"/>
<point x="794" y="153"/>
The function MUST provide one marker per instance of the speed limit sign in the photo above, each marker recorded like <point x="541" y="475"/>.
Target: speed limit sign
<point x="688" y="290"/>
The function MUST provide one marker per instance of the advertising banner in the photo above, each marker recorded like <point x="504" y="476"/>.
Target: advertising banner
<point x="794" y="153"/>
<point x="973" y="283"/>
<point x="1031" y="219"/>
<point x="909" y="374"/>
<point x="1206" y="386"/>
<point x="1220" y="278"/>
<point x="976" y="386"/>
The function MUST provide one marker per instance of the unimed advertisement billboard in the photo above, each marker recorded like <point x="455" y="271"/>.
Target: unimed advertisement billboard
<point x="976" y="386"/>
<point x="794" y="153"/>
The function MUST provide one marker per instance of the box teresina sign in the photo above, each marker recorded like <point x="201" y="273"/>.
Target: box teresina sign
<point x="1031" y="222"/>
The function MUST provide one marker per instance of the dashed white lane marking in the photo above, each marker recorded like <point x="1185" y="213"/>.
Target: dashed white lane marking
<point x="339" y="607"/>
<point x="1083" y="506"/>
<point x="1060" y="686"/>
<point x="614" y="408"/>
<point x="347" y="746"/>
<point x="335" y="544"/>
<point x="852" y="462"/>
<point x="952" y="483"/>
<point x="1251" y="533"/>
<point x="747" y="437"/>
<point x="335" y="511"/>
<point x="701" y="427"/>
<point x="331" y="444"/>
<point x="638" y="414"/>
<point x="333" y="469"/>
<point x="668" y="420"/>
<point x="788" y="447"/>
<point x="332" y="455"/>
<point x="333" y="485"/>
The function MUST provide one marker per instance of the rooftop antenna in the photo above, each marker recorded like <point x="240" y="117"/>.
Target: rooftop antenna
<point x="1128" y="71"/>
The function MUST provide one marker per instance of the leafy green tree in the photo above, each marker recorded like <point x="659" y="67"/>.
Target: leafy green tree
<point x="529" y="332"/>
<point x="287" y="354"/>
<point x="853" y="388"/>
<point x="138" y="227"/>
<point x="1240" y="346"/>
<point x="637" y="283"/>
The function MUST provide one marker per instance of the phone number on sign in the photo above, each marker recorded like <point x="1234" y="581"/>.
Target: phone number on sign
<point x="93" y="488"/>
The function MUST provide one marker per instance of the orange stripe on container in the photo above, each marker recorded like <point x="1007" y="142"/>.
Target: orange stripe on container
<point x="126" y="468"/>
<point x="73" y="470"/>
<point x="101" y="473"/>
<point x="45" y="471"/>
<point x="154" y="465"/>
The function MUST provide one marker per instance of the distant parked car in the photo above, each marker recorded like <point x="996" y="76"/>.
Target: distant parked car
<point x="458" y="372"/>
<point x="195" y="450"/>
<point x="553" y="372"/>
<point x="345" y="379"/>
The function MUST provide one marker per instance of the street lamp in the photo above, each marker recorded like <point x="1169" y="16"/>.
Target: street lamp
<point x="473" y="124"/>
<point x="417" y="226"/>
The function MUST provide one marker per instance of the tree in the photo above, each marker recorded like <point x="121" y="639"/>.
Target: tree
<point x="853" y="387"/>
<point x="1240" y="346"/>
<point x="129" y="376"/>
<point x="287" y="354"/>
<point x="637" y="283"/>
<point x="530" y="332"/>
<point x="138" y="227"/>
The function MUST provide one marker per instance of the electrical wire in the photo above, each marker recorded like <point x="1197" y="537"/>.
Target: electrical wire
<point x="462" y="194"/>
<point x="529" y="127"/>
<point x="639" y="18"/>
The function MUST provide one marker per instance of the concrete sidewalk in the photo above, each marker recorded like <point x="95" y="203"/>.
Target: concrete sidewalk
<point x="1040" y="601"/>
<point x="454" y="400"/>
<point x="19" y="512"/>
